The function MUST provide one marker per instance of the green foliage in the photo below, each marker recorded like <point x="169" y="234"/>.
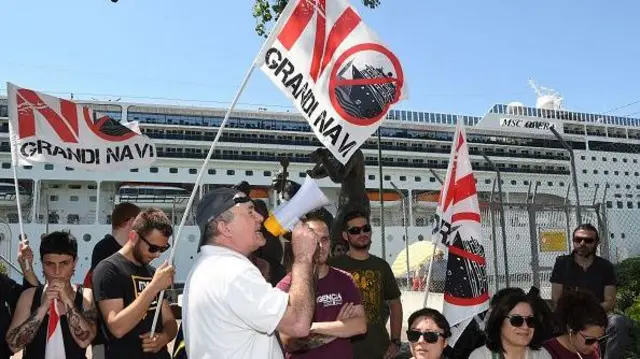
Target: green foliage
<point x="628" y="297"/>
<point x="628" y="289"/>
<point x="3" y="268"/>
<point x="265" y="11"/>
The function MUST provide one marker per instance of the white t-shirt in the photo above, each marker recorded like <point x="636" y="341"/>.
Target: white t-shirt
<point x="485" y="353"/>
<point x="229" y="311"/>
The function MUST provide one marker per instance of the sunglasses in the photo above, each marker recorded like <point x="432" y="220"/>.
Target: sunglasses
<point x="518" y="320"/>
<point x="587" y="240"/>
<point x="591" y="340"/>
<point x="356" y="230"/>
<point x="429" y="337"/>
<point x="154" y="248"/>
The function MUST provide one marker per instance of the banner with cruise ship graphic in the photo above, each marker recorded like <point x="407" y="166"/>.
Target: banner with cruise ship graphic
<point x="44" y="128"/>
<point x="466" y="293"/>
<point x="335" y="69"/>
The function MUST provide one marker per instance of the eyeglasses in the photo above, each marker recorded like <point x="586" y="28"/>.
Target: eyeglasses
<point x="356" y="230"/>
<point x="154" y="248"/>
<point x="591" y="340"/>
<point x="586" y="240"/>
<point x="429" y="336"/>
<point x="518" y="320"/>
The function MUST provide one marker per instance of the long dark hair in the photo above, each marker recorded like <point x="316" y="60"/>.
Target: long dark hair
<point x="499" y="313"/>
<point x="578" y="309"/>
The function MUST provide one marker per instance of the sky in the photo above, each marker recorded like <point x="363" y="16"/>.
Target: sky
<point x="458" y="56"/>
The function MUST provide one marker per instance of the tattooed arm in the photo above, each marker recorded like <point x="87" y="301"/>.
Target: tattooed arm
<point x="25" y="323"/>
<point x="82" y="322"/>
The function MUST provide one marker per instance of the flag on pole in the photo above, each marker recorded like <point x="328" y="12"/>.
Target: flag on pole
<point x="466" y="293"/>
<point x="45" y="128"/>
<point x="335" y="69"/>
<point x="55" y="342"/>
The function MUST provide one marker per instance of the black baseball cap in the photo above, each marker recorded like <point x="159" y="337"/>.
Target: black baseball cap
<point x="214" y="203"/>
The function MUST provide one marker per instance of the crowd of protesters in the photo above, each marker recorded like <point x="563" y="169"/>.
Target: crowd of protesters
<point x="250" y="296"/>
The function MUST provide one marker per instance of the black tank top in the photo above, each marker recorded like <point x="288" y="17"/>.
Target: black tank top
<point x="36" y="349"/>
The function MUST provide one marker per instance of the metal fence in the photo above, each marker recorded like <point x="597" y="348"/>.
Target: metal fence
<point x="524" y="233"/>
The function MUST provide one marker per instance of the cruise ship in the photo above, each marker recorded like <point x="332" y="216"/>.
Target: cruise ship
<point x="535" y="170"/>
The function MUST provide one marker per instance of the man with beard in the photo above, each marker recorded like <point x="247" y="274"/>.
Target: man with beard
<point x="583" y="269"/>
<point x="126" y="289"/>
<point x="380" y="292"/>
<point x="339" y="313"/>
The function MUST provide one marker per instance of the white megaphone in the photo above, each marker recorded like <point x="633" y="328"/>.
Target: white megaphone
<point x="308" y="198"/>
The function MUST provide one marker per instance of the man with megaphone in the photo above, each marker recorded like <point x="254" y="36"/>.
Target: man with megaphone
<point x="229" y="310"/>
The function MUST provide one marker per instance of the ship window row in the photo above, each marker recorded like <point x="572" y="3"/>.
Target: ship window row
<point x="614" y="159"/>
<point x="613" y="147"/>
<point x="429" y="117"/>
<point x="56" y="198"/>
<point x="617" y="186"/>
<point x="311" y="140"/>
<point x="565" y="115"/>
<point x="616" y="173"/>
<point x="398" y="115"/>
<point x="621" y="205"/>
<point x="235" y="155"/>
<point x="301" y="127"/>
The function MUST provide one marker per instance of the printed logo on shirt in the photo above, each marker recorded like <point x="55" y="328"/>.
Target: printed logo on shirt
<point x="139" y="284"/>
<point x="330" y="300"/>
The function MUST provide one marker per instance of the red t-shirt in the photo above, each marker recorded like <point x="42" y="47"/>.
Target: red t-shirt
<point x="557" y="351"/>
<point x="334" y="290"/>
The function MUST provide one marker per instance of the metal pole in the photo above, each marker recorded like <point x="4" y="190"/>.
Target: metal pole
<point x="604" y="235"/>
<point x="573" y="172"/>
<point x="502" y="224"/>
<point x="382" y="234"/>
<point x="436" y="176"/>
<point x="533" y="244"/>
<point x="406" y="229"/>
<point x="494" y="239"/>
<point x="567" y="214"/>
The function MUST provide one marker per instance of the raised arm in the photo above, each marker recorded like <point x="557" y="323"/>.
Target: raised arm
<point x="296" y="320"/>
<point x="25" y="323"/>
<point x="25" y="259"/>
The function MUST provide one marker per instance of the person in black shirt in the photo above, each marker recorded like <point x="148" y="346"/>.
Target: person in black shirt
<point x="28" y="329"/>
<point x="126" y="289"/>
<point x="583" y="269"/>
<point x="10" y="292"/>
<point x="122" y="218"/>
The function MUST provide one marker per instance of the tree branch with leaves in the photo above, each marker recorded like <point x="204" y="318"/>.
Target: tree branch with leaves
<point x="266" y="11"/>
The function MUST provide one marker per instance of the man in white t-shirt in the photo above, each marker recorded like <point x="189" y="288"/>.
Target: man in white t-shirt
<point x="229" y="310"/>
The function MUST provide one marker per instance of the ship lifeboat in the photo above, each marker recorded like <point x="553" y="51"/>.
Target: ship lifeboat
<point x="8" y="195"/>
<point x="167" y="198"/>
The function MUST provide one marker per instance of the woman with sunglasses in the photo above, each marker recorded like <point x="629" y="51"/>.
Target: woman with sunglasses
<point x="584" y="322"/>
<point x="511" y="331"/>
<point x="428" y="333"/>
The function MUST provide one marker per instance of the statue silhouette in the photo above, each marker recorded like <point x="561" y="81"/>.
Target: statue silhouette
<point x="353" y="193"/>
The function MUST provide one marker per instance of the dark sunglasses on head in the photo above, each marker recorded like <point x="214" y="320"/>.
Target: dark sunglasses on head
<point x="518" y="320"/>
<point x="591" y="340"/>
<point x="154" y="248"/>
<point x="356" y="230"/>
<point x="587" y="240"/>
<point x="429" y="337"/>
